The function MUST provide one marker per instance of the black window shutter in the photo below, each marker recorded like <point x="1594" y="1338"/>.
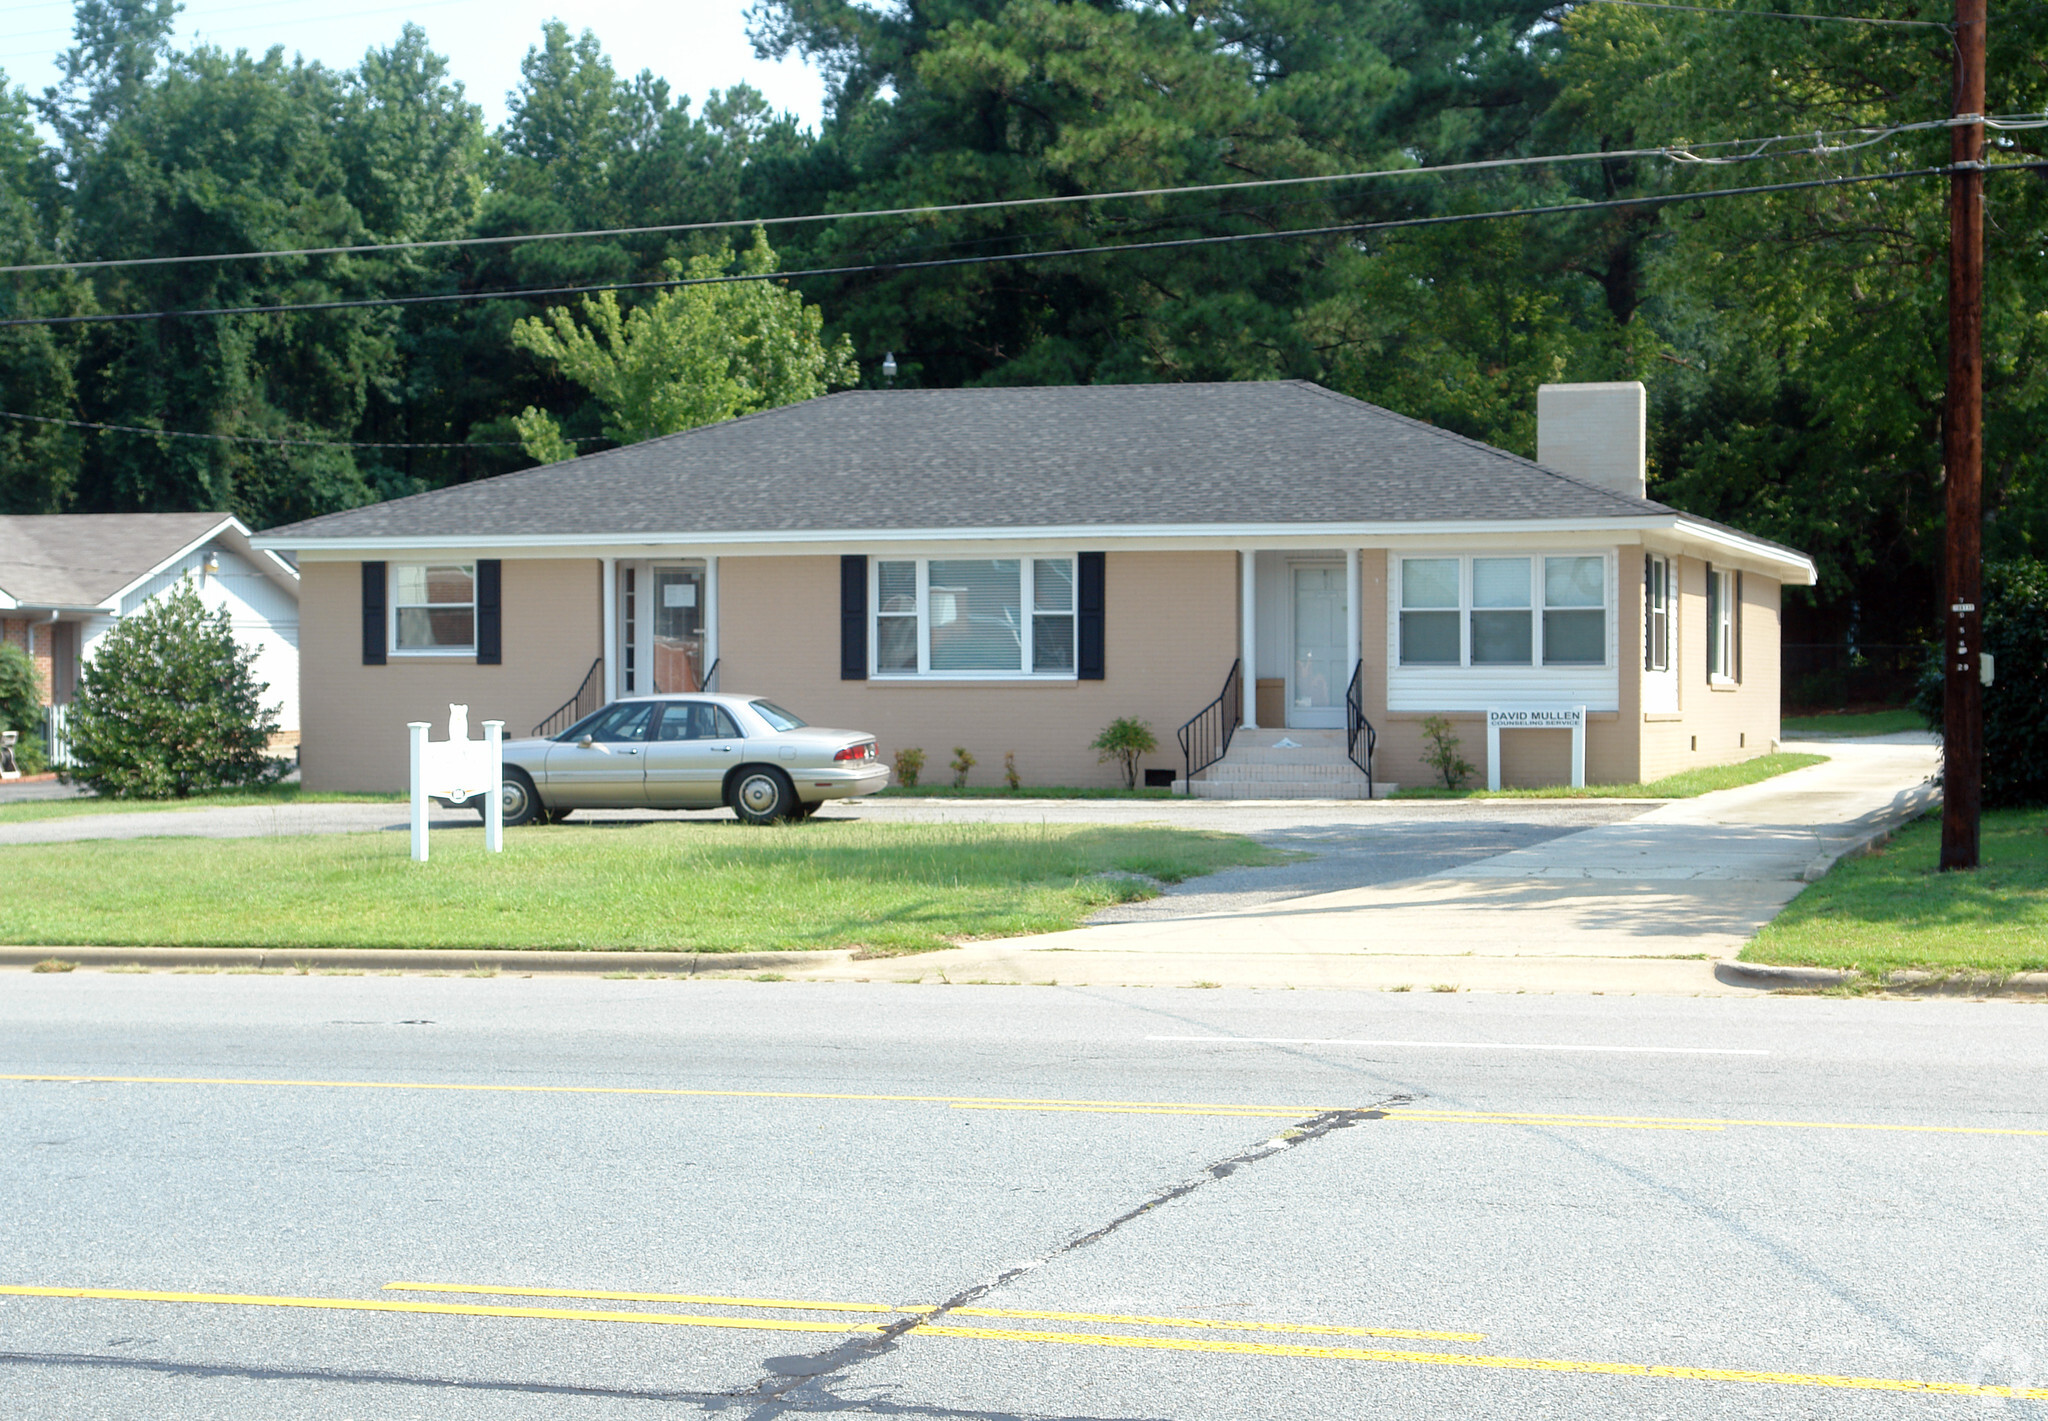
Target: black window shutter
<point x="490" y="612"/>
<point x="1090" y="661"/>
<point x="373" y="614"/>
<point x="853" y="617"/>
<point x="1735" y="626"/>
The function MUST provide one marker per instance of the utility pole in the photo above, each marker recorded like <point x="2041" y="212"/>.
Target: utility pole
<point x="1962" y="772"/>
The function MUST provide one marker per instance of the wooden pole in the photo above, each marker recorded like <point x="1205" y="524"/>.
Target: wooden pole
<point x="1962" y="775"/>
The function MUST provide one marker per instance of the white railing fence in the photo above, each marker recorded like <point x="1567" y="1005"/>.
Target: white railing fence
<point x="57" y="736"/>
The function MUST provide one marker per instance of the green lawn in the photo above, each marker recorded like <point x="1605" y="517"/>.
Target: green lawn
<point x="1027" y="792"/>
<point x="699" y="886"/>
<point x="1893" y="909"/>
<point x="1885" y="722"/>
<point x="24" y="810"/>
<point x="1685" y="785"/>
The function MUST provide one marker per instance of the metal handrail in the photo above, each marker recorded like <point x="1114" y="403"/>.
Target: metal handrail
<point x="1207" y="734"/>
<point x="574" y="709"/>
<point x="710" y="680"/>
<point x="1357" y="727"/>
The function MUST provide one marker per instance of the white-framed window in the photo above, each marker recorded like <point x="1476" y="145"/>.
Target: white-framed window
<point x="1504" y="610"/>
<point x="1724" y="626"/>
<point x="433" y="608"/>
<point x="967" y="618"/>
<point x="1656" y="613"/>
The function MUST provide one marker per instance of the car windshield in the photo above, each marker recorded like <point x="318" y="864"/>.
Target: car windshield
<point x="776" y="716"/>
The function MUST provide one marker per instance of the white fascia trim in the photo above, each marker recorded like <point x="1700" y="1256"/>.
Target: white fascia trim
<point x="8" y="602"/>
<point x="1802" y="569"/>
<point x="1232" y="536"/>
<point x="113" y="602"/>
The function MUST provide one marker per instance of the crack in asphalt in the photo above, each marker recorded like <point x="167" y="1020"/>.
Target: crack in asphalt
<point x="798" y="1382"/>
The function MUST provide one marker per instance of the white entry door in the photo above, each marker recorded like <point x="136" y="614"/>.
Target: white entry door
<point x="1316" y="675"/>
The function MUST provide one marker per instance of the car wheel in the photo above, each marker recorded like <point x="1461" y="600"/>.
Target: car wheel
<point x="559" y="816"/>
<point x="522" y="805"/>
<point x="805" y="809"/>
<point x="763" y="795"/>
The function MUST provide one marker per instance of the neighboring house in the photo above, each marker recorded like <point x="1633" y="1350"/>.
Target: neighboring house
<point x="66" y="579"/>
<point x="1011" y="569"/>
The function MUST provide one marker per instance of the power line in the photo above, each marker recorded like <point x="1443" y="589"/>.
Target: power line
<point x="988" y="259"/>
<point x="1680" y="153"/>
<point x="1735" y="13"/>
<point x="262" y="439"/>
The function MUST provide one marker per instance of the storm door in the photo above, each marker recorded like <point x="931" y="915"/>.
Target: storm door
<point x="1317" y="675"/>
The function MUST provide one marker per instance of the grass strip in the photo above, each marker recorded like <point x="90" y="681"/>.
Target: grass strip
<point x="1894" y="909"/>
<point x="701" y="886"/>
<point x="1885" y="722"/>
<point x="25" y="810"/>
<point x="1687" y="784"/>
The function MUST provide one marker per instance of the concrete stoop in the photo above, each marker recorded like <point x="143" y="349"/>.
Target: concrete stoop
<point x="1284" y="764"/>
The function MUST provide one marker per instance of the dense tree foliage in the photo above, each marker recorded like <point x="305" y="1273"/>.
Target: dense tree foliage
<point x="1793" y="342"/>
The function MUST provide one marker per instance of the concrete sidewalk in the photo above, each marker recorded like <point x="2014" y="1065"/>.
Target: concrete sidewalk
<point x="1644" y="905"/>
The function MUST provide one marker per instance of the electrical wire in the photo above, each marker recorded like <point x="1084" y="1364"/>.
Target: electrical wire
<point x="262" y="439"/>
<point x="1735" y="13"/>
<point x="1689" y="153"/>
<point x="989" y="259"/>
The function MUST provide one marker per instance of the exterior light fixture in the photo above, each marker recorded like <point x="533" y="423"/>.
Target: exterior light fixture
<point x="889" y="368"/>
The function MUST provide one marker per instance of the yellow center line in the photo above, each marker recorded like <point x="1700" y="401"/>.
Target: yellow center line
<point x="1077" y="1339"/>
<point x="1126" y="1107"/>
<point x="702" y="1300"/>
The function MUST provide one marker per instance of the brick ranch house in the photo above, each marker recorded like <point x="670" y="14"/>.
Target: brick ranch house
<point x="67" y="579"/>
<point x="1010" y="569"/>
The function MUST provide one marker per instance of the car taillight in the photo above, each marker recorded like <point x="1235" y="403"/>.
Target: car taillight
<point x="857" y="752"/>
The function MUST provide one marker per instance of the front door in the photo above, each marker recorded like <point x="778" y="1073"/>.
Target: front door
<point x="697" y="742"/>
<point x="608" y="772"/>
<point x="1316" y="674"/>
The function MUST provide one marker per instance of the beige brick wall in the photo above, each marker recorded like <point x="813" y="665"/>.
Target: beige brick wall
<point x="1169" y="633"/>
<point x="353" y="716"/>
<point x="1718" y="725"/>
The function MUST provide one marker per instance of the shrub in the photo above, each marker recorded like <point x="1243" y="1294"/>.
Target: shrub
<point x="962" y="763"/>
<point x="21" y="706"/>
<point x="2016" y="703"/>
<point x="1010" y="775"/>
<point x="1123" y="740"/>
<point x="167" y="707"/>
<point x="909" y="765"/>
<point x="1442" y="755"/>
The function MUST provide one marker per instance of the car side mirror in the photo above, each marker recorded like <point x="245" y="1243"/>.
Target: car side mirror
<point x="586" y="742"/>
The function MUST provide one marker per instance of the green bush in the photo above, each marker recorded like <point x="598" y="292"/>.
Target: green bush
<point x="909" y="765"/>
<point x="2016" y="703"/>
<point x="1124" y="740"/>
<point x="167" y="707"/>
<point x="21" y="696"/>
<point x="1443" y="756"/>
<point x="962" y="763"/>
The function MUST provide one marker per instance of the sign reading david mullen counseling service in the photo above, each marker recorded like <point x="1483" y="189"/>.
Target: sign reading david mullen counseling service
<point x="1572" y="718"/>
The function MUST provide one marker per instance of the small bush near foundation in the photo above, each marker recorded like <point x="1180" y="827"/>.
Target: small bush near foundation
<point x="1124" y="740"/>
<point x="909" y="765"/>
<point x="1442" y="755"/>
<point x="1010" y="775"/>
<point x="168" y="707"/>
<point x="962" y="763"/>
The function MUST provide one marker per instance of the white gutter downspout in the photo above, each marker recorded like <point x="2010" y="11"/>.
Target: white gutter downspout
<point x="1248" y="678"/>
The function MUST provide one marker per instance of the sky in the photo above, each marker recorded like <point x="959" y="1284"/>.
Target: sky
<point x="696" y="45"/>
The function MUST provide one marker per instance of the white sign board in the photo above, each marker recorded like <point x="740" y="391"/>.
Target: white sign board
<point x="1572" y="718"/>
<point x="458" y="769"/>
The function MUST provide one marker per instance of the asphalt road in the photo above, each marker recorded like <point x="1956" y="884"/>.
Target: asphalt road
<point x="1112" y="1204"/>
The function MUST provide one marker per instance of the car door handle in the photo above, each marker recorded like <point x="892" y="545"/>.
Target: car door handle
<point x="629" y="752"/>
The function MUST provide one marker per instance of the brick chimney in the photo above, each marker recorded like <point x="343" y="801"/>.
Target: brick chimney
<point x="1595" y="432"/>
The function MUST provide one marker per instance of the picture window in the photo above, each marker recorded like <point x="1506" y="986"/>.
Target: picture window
<point x="974" y="617"/>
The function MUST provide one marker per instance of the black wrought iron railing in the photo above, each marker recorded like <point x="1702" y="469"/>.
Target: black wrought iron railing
<point x="710" y="677"/>
<point x="577" y="706"/>
<point x="1205" y="739"/>
<point x="1358" y="731"/>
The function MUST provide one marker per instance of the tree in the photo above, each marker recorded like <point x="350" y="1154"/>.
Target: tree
<point x="167" y="706"/>
<point x="689" y="357"/>
<point x="1122" y="742"/>
<point x="2016" y="702"/>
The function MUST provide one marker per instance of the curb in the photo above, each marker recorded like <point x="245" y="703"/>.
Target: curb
<point x="402" y="959"/>
<point x="1772" y="978"/>
<point x="1927" y="796"/>
<point x="1758" y="974"/>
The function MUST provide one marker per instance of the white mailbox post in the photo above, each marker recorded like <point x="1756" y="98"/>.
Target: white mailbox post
<point x="458" y="769"/>
<point x="1572" y="719"/>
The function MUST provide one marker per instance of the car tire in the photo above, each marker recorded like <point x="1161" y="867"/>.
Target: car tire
<point x="521" y="800"/>
<point x="762" y="794"/>
<point x="559" y="816"/>
<point x="807" y="807"/>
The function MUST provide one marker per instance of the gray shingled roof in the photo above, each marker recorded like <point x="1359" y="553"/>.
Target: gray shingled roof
<point x="1097" y="455"/>
<point x="81" y="559"/>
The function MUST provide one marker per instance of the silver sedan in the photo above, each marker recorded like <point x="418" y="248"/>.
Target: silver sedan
<point x="689" y="752"/>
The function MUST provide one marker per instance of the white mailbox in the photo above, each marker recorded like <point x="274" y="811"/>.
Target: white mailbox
<point x="458" y="769"/>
